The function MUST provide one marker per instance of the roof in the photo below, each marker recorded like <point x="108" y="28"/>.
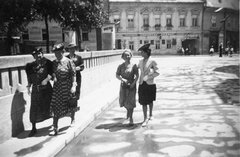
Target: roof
<point x="230" y="4"/>
<point x="166" y="1"/>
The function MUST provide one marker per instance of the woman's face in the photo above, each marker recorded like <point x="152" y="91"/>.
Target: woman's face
<point x="72" y="49"/>
<point x="58" y="54"/>
<point x="144" y="54"/>
<point x="127" y="56"/>
<point x="38" y="56"/>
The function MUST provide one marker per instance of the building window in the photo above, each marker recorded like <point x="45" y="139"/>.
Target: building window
<point x="44" y="34"/>
<point x="146" y="20"/>
<point x="85" y="35"/>
<point x="163" y="42"/>
<point x="169" y="44"/>
<point x="131" y="45"/>
<point x="214" y="21"/>
<point x="194" y="20"/>
<point x="130" y="21"/>
<point x="157" y="22"/>
<point x="182" y="20"/>
<point x="140" y="41"/>
<point x="169" y="20"/>
<point x="116" y="18"/>
<point x="146" y="42"/>
<point x="157" y="44"/>
<point x="25" y="35"/>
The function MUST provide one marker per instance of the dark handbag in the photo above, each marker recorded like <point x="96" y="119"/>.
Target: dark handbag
<point x="72" y="102"/>
<point x="125" y="85"/>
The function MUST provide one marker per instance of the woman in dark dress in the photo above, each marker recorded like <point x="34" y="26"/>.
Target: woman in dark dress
<point x="64" y="77"/>
<point x="39" y="72"/>
<point x="78" y="61"/>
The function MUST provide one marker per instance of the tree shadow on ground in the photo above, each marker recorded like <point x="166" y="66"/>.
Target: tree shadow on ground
<point x="232" y="69"/>
<point x="228" y="90"/>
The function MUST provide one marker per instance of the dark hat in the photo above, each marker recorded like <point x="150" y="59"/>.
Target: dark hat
<point x="144" y="47"/>
<point x="37" y="50"/>
<point x="71" y="45"/>
<point x="58" y="47"/>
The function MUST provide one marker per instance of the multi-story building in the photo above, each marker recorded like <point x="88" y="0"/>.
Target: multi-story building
<point x="221" y="24"/>
<point x="166" y="24"/>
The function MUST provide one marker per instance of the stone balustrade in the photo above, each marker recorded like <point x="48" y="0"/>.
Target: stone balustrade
<point x="100" y="68"/>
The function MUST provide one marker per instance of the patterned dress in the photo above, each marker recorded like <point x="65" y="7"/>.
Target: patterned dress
<point x="127" y="96"/>
<point x="40" y="99"/>
<point x="63" y="70"/>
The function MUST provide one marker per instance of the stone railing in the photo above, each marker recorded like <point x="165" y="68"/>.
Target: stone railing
<point x="14" y="100"/>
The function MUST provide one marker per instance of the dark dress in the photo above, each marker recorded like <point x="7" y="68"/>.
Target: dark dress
<point x="78" y="61"/>
<point x="127" y="96"/>
<point x="40" y="98"/>
<point x="64" y="70"/>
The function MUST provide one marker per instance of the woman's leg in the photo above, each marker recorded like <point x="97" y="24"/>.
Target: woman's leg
<point x="55" y="123"/>
<point x="144" y="107"/>
<point x="150" y="110"/>
<point x="131" y="116"/>
<point x="33" y="131"/>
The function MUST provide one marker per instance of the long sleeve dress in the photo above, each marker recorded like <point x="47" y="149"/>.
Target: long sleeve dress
<point x="127" y="96"/>
<point x="40" y="98"/>
<point x="63" y="70"/>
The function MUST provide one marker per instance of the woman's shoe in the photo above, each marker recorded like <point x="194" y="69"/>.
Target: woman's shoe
<point x="55" y="131"/>
<point x="144" y="123"/>
<point x="72" y="123"/>
<point x="33" y="132"/>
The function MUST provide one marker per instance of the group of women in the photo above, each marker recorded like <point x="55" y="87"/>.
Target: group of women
<point x="128" y="74"/>
<point x="52" y="101"/>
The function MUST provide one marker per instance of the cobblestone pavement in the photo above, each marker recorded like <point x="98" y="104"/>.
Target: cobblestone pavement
<point x="196" y="114"/>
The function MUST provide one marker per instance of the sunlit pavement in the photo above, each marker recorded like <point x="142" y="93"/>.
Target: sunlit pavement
<point x="196" y="114"/>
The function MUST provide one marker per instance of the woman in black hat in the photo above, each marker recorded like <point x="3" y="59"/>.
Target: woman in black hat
<point x="39" y="72"/>
<point x="147" y="87"/>
<point x="64" y="86"/>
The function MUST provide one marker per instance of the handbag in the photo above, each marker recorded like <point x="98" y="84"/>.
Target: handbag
<point x="125" y="85"/>
<point x="72" y="102"/>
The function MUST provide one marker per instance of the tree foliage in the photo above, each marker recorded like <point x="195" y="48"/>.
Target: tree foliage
<point x="15" y="15"/>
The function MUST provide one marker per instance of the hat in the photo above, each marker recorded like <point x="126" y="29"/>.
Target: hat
<point x="71" y="45"/>
<point x="37" y="50"/>
<point x="58" y="47"/>
<point x="144" y="47"/>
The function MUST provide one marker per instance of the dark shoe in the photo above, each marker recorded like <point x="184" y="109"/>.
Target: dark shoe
<point x="33" y="132"/>
<point x="55" y="131"/>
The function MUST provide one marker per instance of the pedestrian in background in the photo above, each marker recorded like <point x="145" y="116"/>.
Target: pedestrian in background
<point x="211" y="51"/>
<point x="194" y="50"/>
<point x="147" y="88"/>
<point x="78" y="61"/>
<point x="220" y="50"/>
<point x="183" y="51"/>
<point x="231" y="51"/>
<point x="127" y="73"/>
<point x="39" y="73"/>
<point x="64" y="77"/>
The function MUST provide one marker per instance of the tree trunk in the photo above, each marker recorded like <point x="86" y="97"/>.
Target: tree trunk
<point x="9" y="41"/>
<point x="47" y="33"/>
<point x="79" y="41"/>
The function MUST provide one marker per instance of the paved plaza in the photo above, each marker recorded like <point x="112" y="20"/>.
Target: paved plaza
<point x="196" y="114"/>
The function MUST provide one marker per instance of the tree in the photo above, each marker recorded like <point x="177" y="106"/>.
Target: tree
<point x="78" y="14"/>
<point x="14" y="17"/>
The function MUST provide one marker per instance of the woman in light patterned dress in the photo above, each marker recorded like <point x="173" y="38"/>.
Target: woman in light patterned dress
<point x="64" y="77"/>
<point x="127" y="73"/>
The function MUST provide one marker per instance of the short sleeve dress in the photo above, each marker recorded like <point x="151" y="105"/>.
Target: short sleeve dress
<point x="127" y="96"/>
<point x="63" y="70"/>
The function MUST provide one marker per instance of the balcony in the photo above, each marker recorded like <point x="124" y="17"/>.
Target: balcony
<point x="146" y="27"/>
<point x="169" y="27"/>
<point x="157" y="27"/>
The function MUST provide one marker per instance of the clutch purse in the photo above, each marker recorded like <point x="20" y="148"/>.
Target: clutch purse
<point x="41" y="87"/>
<point x="125" y="85"/>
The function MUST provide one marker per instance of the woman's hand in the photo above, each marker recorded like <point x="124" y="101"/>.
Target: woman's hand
<point x="45" y="81"/>
<point x="132" y="85"/>
<point x="73" y="89"/>
<point x="78" y="68"/>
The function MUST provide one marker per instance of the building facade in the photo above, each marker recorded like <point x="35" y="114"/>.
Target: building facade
<point x="221" y="24"/>
<point x="167" y="25"/>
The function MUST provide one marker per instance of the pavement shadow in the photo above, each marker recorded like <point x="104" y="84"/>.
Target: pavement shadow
<point x="40" y="132"/>
<point x="232" y="69"/>
<point x="228" y="90"/>
<point x="113" y="127"/>
<point x="33" y="148"/>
